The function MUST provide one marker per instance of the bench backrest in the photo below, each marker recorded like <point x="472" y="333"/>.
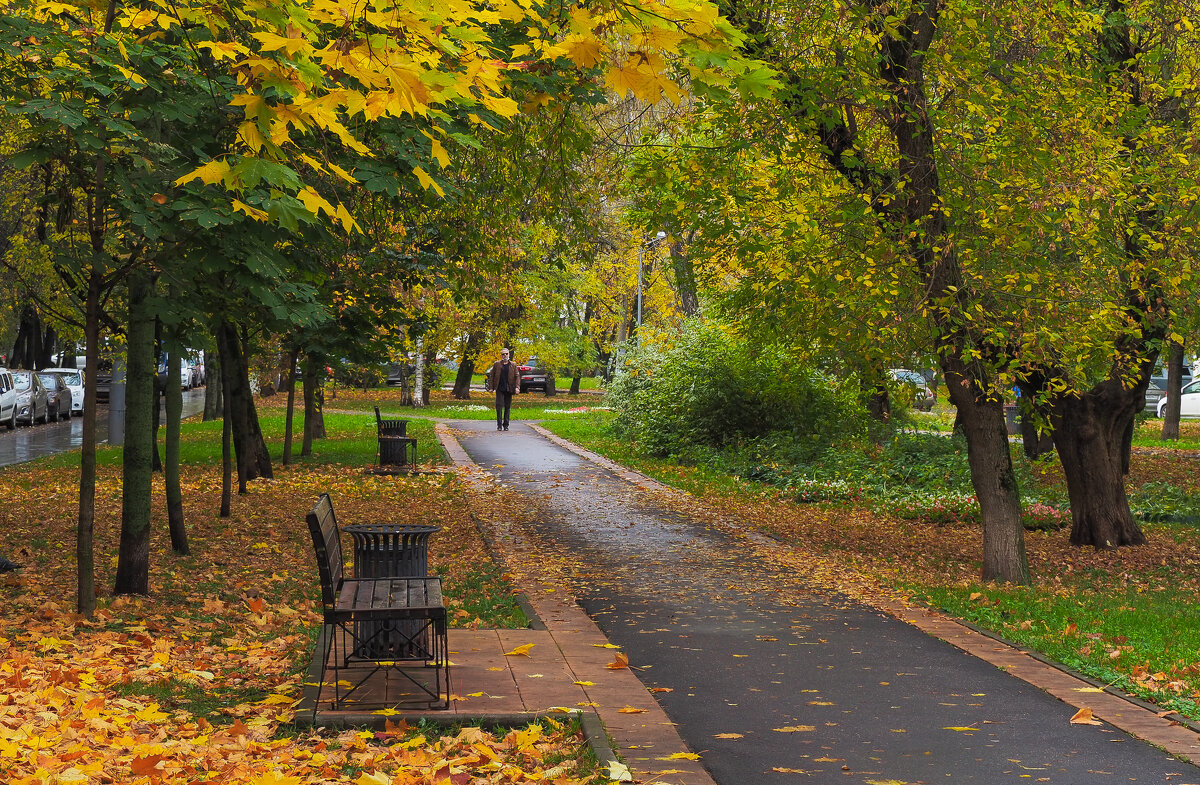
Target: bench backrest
<point x="378" y="419"/>
<point x="327" y="542"/>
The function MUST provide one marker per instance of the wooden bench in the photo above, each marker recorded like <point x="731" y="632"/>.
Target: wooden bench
<point x="396" y="447"/>
<point x="376" y="625"/>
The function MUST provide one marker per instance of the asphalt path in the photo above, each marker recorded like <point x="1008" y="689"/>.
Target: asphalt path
<point x="28" y="443"/>
<point x="774" y="680"/>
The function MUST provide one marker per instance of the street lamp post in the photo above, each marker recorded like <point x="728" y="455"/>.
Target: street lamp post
<point x="641" y="255"/>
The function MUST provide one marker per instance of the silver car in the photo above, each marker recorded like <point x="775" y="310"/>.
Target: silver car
<point x="73" y="378"/>
<point x="32" y="405"/>
<point x="58" y="396"/>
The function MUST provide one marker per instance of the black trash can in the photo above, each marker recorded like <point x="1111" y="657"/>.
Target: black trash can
<point x="394" y="442"/>
<point x="392" y="551"/>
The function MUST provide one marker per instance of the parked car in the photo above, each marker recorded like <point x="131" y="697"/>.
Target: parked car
<point x="917" y="385"/>
<point x="8" y="399"/>
<point x="58" y="396"/>
<point x="1157" y="389"/>
<point x="74" y="381"/>
<point x="1189" y="401"/>
<point x="534" y="376"/>
<point x="31" y="398"/>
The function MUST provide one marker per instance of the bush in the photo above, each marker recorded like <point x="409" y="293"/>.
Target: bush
<point x="707" y="389"/>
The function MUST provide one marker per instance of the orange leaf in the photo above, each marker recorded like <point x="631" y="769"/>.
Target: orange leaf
<point x="238" y="729"/>
<point x="630" y="710"/>
<point x="145" y="767"/>
<point x="1084" y="717"/>
<point x="256" y="605"/>
<point x="621" y="661"/>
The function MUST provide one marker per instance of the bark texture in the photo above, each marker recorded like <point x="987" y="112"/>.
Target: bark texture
<point x="174" y="492"/>
<point x="250" y="449"/>
<point x="133" y="559"/>
<point x="1093" y="435"/>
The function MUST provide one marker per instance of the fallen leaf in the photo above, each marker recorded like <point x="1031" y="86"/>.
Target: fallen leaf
<point x="1084" y="717"/>
<point x="620" y="661"/>
<point x="728" y="736"/>
<point x="682" y="756"/>
<point x="662" y="689"/>
<point x="630" y="710"/>
<point x="793" y="728"/>
<point x="619" y="772"/>
<point x="959" y="728"/>
<point x="520" y="651"/>
<point x="585" y="683"/>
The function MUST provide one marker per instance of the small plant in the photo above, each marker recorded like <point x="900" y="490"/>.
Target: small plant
<point x="1042" y="517"/>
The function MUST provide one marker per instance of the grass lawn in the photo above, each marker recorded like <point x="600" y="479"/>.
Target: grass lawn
<point x="481" y="405"/>
<point x="1126" y="617"/>
<point x="198" y="680"/>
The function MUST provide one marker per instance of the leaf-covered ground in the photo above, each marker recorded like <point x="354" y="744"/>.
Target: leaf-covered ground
<point x="198" y="681"/>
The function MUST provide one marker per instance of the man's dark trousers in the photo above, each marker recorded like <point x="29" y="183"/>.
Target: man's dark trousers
<point x="503" y="404"/>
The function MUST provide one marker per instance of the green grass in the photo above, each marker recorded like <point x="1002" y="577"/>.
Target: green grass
<point x="195" y="697"/>
<point x="351" y="441"/>
<point x="1156" y="630"/>
<point x="483" y="593"/>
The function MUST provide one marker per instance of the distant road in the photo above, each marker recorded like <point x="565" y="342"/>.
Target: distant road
<point x="28" y="443"/>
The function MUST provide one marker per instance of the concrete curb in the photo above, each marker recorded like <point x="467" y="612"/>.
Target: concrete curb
<point x="1178" y="737"/>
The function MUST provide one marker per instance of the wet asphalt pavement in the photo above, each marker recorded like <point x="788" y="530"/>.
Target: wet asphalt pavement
<point x="804" y="685"/>
<point x="29" y="443"/>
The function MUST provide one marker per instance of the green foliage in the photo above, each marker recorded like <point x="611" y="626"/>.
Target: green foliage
<point x="1162" y="501"/>
<point x="706" y="389"/>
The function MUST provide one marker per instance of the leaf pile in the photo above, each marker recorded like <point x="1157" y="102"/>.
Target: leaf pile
<point x="198" y="682"/>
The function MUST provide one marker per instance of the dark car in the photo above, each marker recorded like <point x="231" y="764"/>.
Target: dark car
<point x="58" y="396"/>
<point x="534" y="376"/>
<point x="31" y="398"/>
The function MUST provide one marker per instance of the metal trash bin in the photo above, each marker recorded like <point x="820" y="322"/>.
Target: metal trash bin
<point x="394" y="442"/>
<point x="1010" y="419"/>
<point x="392" y="551"/>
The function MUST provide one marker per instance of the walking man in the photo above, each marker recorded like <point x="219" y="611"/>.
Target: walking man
<point x="504" y="379"/>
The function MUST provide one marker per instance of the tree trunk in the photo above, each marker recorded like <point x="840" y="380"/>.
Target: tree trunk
<point x="85" y="599"/>
<point x="226" y="450"/>
<point x="250" y="449"/>
<point x="992" y="477"/>
<point x="1170" y="430"/>
<point x="1035" y="443"/>
<point x="685" y="278"/>
<point x="419" y="375"/>
<point x="575" y="383"/>
<point x="174" y="492"/>
<point x="314" y="418"/>
<point x="214" y="393"/>
<point x="293" y="358"/>
<point x="466" y="366"/>
<point x="1092" y="433"/>
<point x="133" y="560"/>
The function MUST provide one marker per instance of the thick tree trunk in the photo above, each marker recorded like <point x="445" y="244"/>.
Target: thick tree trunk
<point x="250" y="449"/>
<point x="133" y="559"/>
<point x="466" y="366"/>
<point x="1092" y="433"/>
<point x="85" y="599"/>
<point x="174" y="492"/>
<point x="293" y="358"/>
<point x="214" y="393"/>
<point x="575" y="380"/>
<point x="1170" y="430"/>
<point x="992" y="476"/>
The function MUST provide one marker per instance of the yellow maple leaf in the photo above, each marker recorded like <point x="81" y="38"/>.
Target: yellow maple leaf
<point x="427" y="182"/>
<point x="682" y="756"/>
<point x="520" y="651"/>
<point x="584" y="51"/>
<point x="793" y="728"/>
<point x="213" y="172"/>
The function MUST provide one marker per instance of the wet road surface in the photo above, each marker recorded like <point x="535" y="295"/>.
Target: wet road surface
<point x="802" y="684"/>
<point x="29" y="443"/>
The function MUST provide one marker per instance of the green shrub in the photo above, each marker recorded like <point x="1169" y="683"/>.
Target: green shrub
<point x="707" y="389"/>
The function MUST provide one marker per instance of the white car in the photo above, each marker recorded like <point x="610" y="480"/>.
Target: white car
<point x="1189" y="401"/>
<point x="8" y="399"/>
<point x="74" y="381"/>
